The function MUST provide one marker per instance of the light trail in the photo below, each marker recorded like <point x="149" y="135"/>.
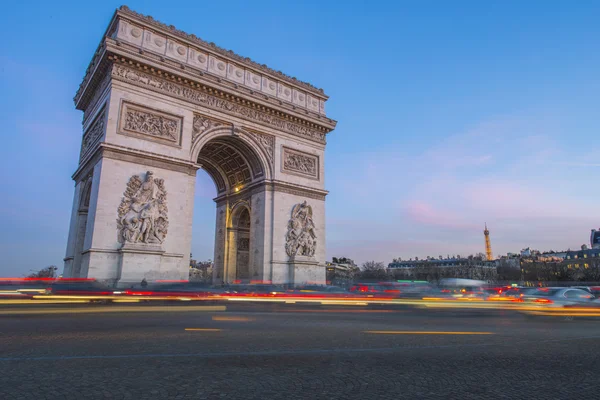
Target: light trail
<point x="426" y="333"/>
<point x="203" y="329"/>
<point x="109" y="309"/>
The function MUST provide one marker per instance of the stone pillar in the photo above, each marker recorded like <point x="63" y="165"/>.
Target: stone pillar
<point x="74" y="231"/>
<point x="220" y="240"/>
<point x="231" y="254"/>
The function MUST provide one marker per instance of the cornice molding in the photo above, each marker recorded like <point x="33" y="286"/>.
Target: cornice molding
<point x="127" y="154"/>
<point x="272" y="186"/>
<point x="150" y="61"/>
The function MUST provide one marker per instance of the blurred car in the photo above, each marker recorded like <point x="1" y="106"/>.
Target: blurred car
<point x="559" y="297"/>
<point x="459" y="288"/>
<point x="317" y="291"/>
<point x="379" y="289"/>
<point x="366" y="289"/>
<point x="512" y="293"/>
<point x="23" y="288"/>
<point x="176" y="290"/>
<point x="84" y="287"/>
<point x="595" y="290"/>
<point x="414" y="289"/>
<point x="254" y="290"/>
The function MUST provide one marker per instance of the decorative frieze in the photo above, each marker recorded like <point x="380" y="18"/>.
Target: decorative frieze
<point x="203" y="98"/>
<point x="150" y="124"/>
<point x="92" y="135"/>
<point x="298" y="162"/>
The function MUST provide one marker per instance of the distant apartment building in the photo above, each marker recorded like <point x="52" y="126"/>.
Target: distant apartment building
<point x="455" y="261"/>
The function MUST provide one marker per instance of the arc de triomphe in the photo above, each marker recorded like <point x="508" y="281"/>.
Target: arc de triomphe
<point x="158" y="104"/>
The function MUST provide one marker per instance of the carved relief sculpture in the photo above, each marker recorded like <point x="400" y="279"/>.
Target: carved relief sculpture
<point x="301" y="238"/>
<point x="267" y="143"/>
<point x="150" y="124"/>
<point x="142" y="215"/>
<point x="202" y="124"/>
<point x="300" y="163"/>
<point x="243" y="244"/>
<point x="92" y="135"/>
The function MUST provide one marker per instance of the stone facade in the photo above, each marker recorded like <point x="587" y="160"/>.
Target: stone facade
<point x="158" y="105"/>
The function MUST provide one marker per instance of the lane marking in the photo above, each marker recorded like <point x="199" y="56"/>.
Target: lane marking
<point x="427" y="333"/>
<point x="203" y="329"/>
<point x="341" y="311"/>
<point x="232" y="318"/>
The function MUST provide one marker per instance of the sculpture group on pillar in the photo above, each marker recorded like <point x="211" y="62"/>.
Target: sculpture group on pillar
<point x="301" y="237"/>
<point x="142" y="215"/>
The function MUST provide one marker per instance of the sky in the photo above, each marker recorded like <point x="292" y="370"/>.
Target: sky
<point x="451" y="115"/>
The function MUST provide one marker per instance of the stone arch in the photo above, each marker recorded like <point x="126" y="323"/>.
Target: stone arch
<point x="237" y="210"/>
<point x="231" y="157"/>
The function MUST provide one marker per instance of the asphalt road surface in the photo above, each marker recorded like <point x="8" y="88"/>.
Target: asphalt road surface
<point x="297" y="353"/>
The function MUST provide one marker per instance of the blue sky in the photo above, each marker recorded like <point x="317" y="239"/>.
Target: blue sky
<point x="451" y="114"/>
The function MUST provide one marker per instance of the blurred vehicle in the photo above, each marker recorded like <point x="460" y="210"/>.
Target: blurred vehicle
<point x="176" y="290"/>
<point x="366" y="289"/>
<point x="463" y="288"/>
<point x="511" y="293"/>
<point x="255" y="290"/>
<point x="559" y="297"/>
<point x="317" y="291"/>
<point x="335" y="290"/>
<point x="83" y="287"/>
<point x="23" y="288"/>
<point x="595" y="290"/>
<point x="414" y="289"/>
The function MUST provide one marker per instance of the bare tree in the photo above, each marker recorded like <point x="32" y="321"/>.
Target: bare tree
<point x="592" y="272"/>
<point x="373" y="270"/>
<point x="48" y="272"/>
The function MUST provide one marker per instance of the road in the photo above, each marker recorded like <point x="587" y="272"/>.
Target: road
<point x="297" y="352"/>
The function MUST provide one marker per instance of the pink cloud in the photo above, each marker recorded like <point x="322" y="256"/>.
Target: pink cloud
<point x="424" y="213"/>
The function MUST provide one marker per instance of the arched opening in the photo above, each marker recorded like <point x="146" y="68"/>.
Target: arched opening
<point x="82" y="217"/>
<point x="235" y="165"/>
<point x="238" y="245"/>
<point x="231" y="163"/>
<point x="203" y="228"/>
